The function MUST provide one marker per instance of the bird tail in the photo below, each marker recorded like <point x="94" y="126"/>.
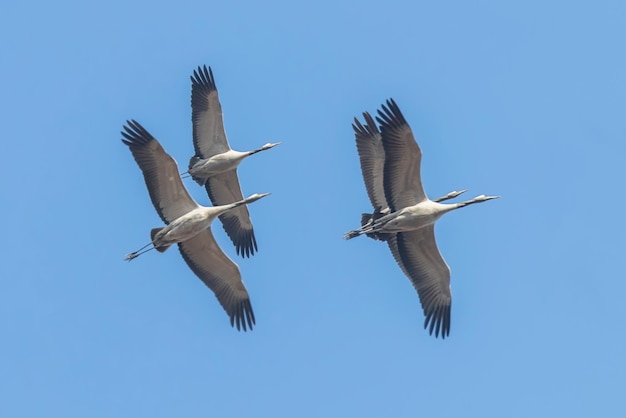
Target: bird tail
<point x="368" y="219"/>
<point x="201" y="180"/>
<point x="193" y="161"/>
<point x="161" y="248"/>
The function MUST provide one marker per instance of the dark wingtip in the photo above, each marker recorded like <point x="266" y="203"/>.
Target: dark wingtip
<point x="247" y="246"/>
<point x="134" y="134"/>
<point x="243" y="317"/>
<point x="203" y="77"/>
<point x="369" y="129"/>
<point x="390" y="116"/>
<point x="438" y="321"/>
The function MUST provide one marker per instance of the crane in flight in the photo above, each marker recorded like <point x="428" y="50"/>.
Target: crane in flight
<point x="403" y="215"/>
<point x="214" y="165"/>
<point x="189" y="225"/>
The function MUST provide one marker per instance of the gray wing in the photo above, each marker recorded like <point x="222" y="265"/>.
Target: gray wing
<point x="160" y="172"/>
<point x="392" y="242"/>
<point x="223" y="189"/>
<point x="207" y="260"/>
<point x="402" y="180"/>
<point x="417" y="255"/>
<point x="372" y="157"/>
<point x="209" y="137"/>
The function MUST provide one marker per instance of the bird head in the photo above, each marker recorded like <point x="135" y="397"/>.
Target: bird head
<point x="256" y="196"/>
<point x="270" y="145"/>
<point x="483" y="198"/>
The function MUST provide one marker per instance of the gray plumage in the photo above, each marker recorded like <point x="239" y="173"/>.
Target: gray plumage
<point x="403" y="215"/>
<point x="189" y="225"/>
<point x="214" y="164"/>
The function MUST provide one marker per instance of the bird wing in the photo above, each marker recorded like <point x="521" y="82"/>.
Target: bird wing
<point x="209" y="137"/>
<point x="417" y="255"/>
<point x="160" y="172"/>
<point x="223" y="189"/>
<point x="402" y="180"/>
<point x="207" y="260"/>
<point x="392" y="241"/>
<point x="372" y="156"/>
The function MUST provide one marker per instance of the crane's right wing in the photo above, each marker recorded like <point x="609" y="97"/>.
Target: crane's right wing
<point x="216" y="270"/>
<point x="419" y="258"/>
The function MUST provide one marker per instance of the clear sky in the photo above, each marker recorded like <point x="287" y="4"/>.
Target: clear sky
<point x="523" y="99"/>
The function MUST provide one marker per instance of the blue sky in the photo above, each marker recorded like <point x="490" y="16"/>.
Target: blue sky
<point x="524" y="99"/>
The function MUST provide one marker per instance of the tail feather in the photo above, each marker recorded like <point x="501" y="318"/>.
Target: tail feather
<point x="193" y="161"/>
<point x="161" y="248"/>
<point x="201" y="180"/>
<point x="380" y="236"/>
<point x="367" y="218"/>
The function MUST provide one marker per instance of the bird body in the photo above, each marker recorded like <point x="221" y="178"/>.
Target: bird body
<point x="201" y="169"/>
<point x="414" y="217"/>
<point x="189" y="225"/>
<point x="192" y="223"/>
<point x="403" y="215"/>
<point x="421" y="209"/>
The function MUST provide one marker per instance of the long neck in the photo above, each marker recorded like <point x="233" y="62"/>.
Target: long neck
<point x="213" y="212"/>
<point x="467" y="203"/>
<point x="257" y="150"/>
<point x="235" y="204"/>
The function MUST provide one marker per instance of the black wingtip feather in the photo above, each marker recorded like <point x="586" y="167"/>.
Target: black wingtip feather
<point x="247" y="246"/>
<point x="243" y="316"/>
<point x="135" y="135"/>
<point x="243" y="240"/>
<point x="369" y="129"/>
<point x="390" y="116"/>
<point x="438" y="320"/>
<point x="203" y="79"/>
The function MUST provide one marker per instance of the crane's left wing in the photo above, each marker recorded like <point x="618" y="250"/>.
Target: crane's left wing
<point x="209" y="136"/>
<point x="403" y="157"/>
<point x="372" y="158"/>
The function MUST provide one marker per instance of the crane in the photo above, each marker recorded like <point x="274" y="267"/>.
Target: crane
<point x="188" y="225"/>
<point x="403" y="215"/>
<point x="214" y="164"/>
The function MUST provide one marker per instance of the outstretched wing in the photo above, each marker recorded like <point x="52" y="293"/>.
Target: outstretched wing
<point x="223" y="189"/>
<point x="419" y="258"/>
<point x="209" y="136"/>
<point x="402" y="179"/>
<point x="160" y="172"/>
<point x="372" y="157"/>
<point x="207" y="260"/>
